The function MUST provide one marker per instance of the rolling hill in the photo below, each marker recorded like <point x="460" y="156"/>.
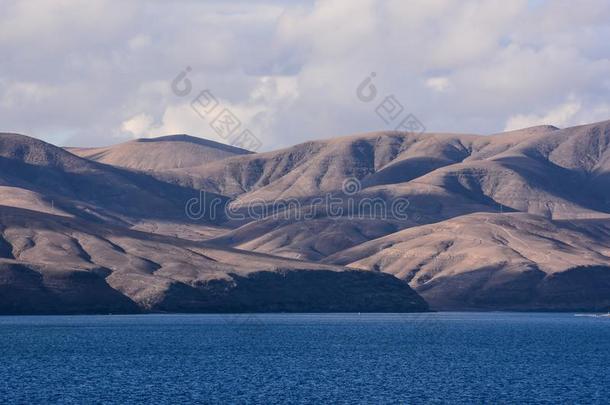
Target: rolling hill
<point x="163" y="153"/>
<point x="496" y="261"/>
<point x="69" y="244"/>
<point x="54" y="180"/>
<point x="517" y="220"/>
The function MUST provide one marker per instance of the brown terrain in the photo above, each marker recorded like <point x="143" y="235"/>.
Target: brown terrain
<point x="511" y="221"/>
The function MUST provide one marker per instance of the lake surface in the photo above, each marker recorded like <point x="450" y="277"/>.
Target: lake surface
<point x="331" y="358"/>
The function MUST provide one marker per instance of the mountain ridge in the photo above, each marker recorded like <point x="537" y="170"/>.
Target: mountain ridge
<point x="510" y="221"/>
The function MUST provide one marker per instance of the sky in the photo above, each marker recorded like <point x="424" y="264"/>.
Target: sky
<point x="94" y="73"/>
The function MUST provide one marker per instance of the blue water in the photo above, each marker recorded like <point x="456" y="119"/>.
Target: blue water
<point x="334" y="358"/>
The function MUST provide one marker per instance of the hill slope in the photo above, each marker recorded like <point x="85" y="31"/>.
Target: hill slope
<point x="518" y="220"/>
<point x="496" y="261"/>
<point x="54" y="264"/>
<point x="560" y="174"/>
<point x="32" y="170"/>
<point x="163" y="153"/>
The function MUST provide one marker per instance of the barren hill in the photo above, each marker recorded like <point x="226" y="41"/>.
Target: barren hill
<point x="40" y="176"/>
<point x="163" y="153"/>
<point x="53" y="264"/>
<point x="496" y="261"/>
<point x="516" y="220"/>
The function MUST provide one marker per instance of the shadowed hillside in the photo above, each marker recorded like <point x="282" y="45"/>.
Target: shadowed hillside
<point x="518" y="220"/>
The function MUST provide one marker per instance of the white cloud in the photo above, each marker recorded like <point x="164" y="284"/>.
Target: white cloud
<point x="290" y="69"/>
<point x="257" y="113"/>
<point x="439" y="84"/>
<point x="559" y="116"/>
<point x="570" y="113"/>
<point x="138" y="126"/>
